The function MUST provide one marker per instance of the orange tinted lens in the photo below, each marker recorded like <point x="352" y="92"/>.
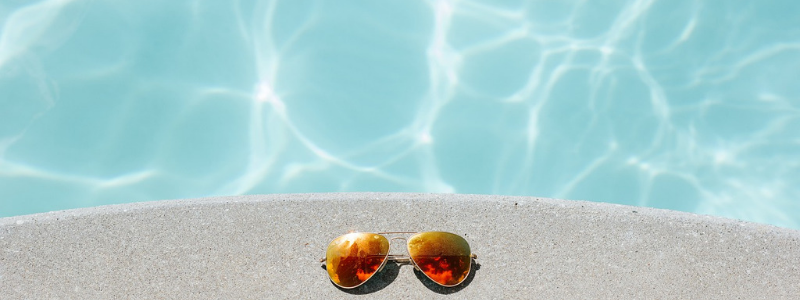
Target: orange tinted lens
<point x="353" y="258"/>
<point x="442" y="256"/>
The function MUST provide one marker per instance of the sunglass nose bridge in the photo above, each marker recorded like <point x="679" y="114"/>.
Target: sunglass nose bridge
<point x="397" y="238"/>
<point x="398" y="252"/>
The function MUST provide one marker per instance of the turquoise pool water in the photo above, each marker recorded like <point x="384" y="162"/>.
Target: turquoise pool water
<point x="686" y="105"/>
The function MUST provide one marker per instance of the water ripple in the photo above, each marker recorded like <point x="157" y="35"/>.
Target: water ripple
<point x="686" y="105"/>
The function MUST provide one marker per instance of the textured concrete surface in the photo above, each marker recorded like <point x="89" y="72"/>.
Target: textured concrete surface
<point x="257" y="247"/>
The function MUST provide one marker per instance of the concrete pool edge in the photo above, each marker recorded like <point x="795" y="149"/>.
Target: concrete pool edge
<point x="396" y="196"/>
<point x="145" y="230"/>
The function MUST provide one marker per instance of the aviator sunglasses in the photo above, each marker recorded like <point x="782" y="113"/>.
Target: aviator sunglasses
<point x="354" y="258"/>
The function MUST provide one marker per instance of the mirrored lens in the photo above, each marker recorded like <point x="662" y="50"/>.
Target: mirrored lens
<point x="353" y="258"/>
<point x="442" y="256"/>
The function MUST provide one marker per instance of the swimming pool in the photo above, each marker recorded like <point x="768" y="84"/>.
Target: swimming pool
<point x="686" y="105"/>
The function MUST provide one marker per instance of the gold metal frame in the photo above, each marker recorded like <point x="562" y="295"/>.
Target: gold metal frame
<point x="402" y="259"/>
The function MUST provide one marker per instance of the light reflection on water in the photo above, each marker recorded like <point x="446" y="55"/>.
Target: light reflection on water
<point x="686" y="105"/>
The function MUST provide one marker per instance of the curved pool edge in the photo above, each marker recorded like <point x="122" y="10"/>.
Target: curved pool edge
<point x="233" y="247"/>
<point x="392" y="196"/>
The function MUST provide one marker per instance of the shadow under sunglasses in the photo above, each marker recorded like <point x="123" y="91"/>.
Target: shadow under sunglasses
<point x="391" y="270"/>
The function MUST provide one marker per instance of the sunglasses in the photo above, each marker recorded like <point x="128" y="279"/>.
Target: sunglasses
<point x="354" y="258"/>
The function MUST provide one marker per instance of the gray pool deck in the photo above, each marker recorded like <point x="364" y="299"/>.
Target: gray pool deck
<point x="268" y="246"/>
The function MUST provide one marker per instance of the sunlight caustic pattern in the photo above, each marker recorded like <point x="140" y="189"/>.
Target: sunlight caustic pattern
<point x="688" y="105"/>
